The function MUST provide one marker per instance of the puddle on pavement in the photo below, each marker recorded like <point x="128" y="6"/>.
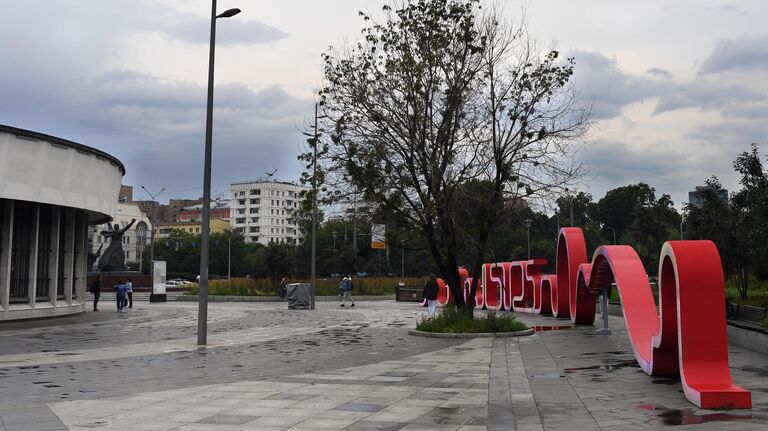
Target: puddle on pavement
<point x="602" y="367"/>
<point x="676" y="417"/>
<point x="546" y="328"/>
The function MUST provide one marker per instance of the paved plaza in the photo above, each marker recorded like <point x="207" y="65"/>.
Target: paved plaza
<point x="268" y="368"/>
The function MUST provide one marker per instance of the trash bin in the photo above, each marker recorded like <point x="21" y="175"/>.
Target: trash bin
<point x="409" y="293"/>
<point x="298" y="296"/>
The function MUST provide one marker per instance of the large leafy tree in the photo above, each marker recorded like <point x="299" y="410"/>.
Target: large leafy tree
<point x="439" y="105"/>
<point x="640" y="219"/>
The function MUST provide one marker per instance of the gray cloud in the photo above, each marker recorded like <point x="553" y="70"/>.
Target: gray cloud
<point x="730" y="9"/>
<point x="196" y="30"/>
<point x="659" y="72"/>
<point x="156" y="126"/>
<point x="599" y="78"/>
<point x="745" y="52"/>
<point x="706" y="95"/>
<point x="56" y="81"/>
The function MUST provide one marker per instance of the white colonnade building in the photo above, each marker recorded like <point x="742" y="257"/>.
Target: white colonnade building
<point x="51" y="190"/>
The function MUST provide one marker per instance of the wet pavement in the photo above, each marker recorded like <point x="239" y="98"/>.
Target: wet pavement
<point x="268" y="368"/>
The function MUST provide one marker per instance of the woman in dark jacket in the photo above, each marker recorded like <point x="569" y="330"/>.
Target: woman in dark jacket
<point x="431" y="288"/>
<point x="95" y="289"/>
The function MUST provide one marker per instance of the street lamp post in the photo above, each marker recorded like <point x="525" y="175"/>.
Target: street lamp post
<point x="334" y="233"/>
<point x="682" y="219"/>
<point x="229" y="259"/>
<point x="313" y="275"/>
<point x="402" y="260"/>
<point x="152" y="232"/>
<point x="528" y="226"/>
<point x="614" y="233"/>
<point x="202" y="310"/>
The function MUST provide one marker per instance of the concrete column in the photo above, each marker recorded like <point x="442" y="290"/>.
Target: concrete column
<point x="32" y="285"/>
<point x="6" y="240"/>
<point x="53" y="260"/>
<point x="81" y="258"/>
<point x="69" y="248"/>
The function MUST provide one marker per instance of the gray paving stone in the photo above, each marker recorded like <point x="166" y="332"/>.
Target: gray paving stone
<point x="281" y="370"/>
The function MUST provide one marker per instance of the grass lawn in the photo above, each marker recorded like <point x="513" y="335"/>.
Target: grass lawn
<point x="325" y="286"/>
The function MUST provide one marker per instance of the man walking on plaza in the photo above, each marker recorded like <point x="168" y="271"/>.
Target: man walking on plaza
<point x="346" y="291"/>
<point x="120" y="291"/>
<point x="129" y="292"/>
<point x="95" y="289"/>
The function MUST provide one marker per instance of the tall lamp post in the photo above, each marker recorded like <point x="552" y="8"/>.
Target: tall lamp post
<point x="528" y="226"/>
<point x="682" y="220"/>
<point x="334" y="233"/>
<point x="152" y="220"/>
<point x="202" y="309"/>
<point x="402" y="260"/>
<point x="313" y="275"/>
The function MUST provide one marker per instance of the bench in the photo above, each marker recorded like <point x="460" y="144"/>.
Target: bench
<point x="750" y="317"/>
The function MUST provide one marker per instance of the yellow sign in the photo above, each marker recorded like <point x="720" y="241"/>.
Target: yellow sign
<point x="378" y="236"/>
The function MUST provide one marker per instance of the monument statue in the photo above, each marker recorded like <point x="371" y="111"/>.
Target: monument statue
<point x="113" y="258"/>
<point x="93" y="256"/>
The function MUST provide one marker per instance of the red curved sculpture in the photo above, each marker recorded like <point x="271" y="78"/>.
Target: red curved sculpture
<point x="525" y="276"/>
<point x="493" y="286"/>
<point x="542" y="297"/>
<point x="572" y="252"/>
<point x="463" y="276"/>
<point x="688" y="339"/>
<point x="444" y="294"/>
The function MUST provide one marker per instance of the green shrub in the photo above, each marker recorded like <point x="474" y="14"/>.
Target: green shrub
<point x="456" y="321"/>
<point x="325" y="286"/>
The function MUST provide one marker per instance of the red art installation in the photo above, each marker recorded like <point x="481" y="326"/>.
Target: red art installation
<point x="686" y="339"/>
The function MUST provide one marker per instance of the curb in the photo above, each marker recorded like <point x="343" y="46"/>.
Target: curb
<point x="523" y="333"/>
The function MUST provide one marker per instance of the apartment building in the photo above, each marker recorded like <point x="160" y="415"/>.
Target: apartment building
<point x="262" y="210"/>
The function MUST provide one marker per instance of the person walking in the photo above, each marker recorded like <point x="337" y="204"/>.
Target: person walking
<point x="346" y="291"/>
<point x="95" y="290"/>
<point x="431" y="288"/>
<point x="129" y="292"/>
<point x="120" y="291"/>
<point x="283" y="288"/>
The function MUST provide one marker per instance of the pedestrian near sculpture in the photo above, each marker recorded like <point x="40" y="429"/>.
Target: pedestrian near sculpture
<point x="431" y="288"/>
<point x="346" y="291"/>
<point x="95" y="289"/>
<point x="129" y="292"/>
<point x="120" y="291"/>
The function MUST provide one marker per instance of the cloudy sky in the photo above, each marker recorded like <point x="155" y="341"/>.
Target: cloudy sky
<point x="679" y="89"/>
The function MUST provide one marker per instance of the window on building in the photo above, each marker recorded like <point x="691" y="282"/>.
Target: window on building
<point x="254" y="211"/>
<point x="241" y="211"/>
<point x="255" y="201"/>
<point x="271" y="230"/>
<point x="255" y="192"/>
<point x="240" y="220"/>
<point x="197" y="230"/>
<point x="254" y="219"/>
<point x="241" y="202"/>
<point x="241" y="193"/>
<point x="254" y="229"/>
